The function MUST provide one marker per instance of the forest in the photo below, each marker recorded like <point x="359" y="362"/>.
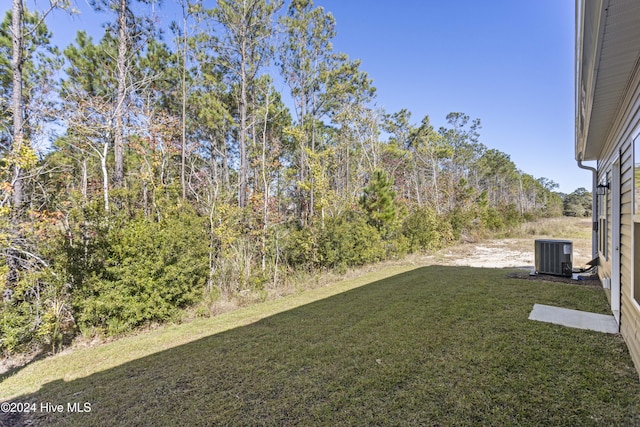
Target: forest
<point x="158" y="170"/>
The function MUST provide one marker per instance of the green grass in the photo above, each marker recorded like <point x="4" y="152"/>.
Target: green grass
<point x="429" y="346"/>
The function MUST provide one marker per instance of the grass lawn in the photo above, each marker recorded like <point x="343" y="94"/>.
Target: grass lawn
<point x="431" y="346"/>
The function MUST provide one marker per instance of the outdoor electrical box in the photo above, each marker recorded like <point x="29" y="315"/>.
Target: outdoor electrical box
<point x="554" y="257"/>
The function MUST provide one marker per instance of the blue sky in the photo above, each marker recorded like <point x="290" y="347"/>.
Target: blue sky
<point x="508" y="63"/>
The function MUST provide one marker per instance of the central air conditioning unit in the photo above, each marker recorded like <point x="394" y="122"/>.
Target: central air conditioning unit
<point x="554" y="257"/>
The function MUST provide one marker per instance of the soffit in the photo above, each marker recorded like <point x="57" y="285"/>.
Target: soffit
<point x="610" y="46"/>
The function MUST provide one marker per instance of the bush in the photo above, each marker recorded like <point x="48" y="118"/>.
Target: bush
<point x="300" y="248"/>
<point x="38" y="315"/>
<point x="348" y="240"/>
<point x="510" y="214"/>
<point x="424" y="230"/>
<point x="492" y="219"/>
<point x="150" y="271"/>
<point x="16" y="327"/>
<point x="397" y="245"/>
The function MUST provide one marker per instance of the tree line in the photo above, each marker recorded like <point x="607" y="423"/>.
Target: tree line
<point x="175" y="174"/>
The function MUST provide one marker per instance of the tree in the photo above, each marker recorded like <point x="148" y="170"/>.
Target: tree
<point x="27" y="64"/>
<point x="244" y="48"/>
<point x="325" y="84"/>
<point x="550" y="199"/>
<point x="305" y="55"/>
<point x="130" y="32"/>
<point x="121" y="67"/>
<point x="577" y="203"/>
<point x="186" y="13"/>
<point x="378" y="202"/>
<point x="397" y="157"/>
<point x="38" y="65"/>
<point x="429" y="152"/>
<point x="399" y="128"/>
<point x="159" y="135"/>
<point x="212" y="122"/>
<point x="27" y="33"/>
<point x="17" y="25"/>
<point x="20" y="246"/>
<point x="88" y="100"/>
<point x="272" y="117"/>
<point x="496" y="173"/>
<point x="221" y="190"/>
<point x="347" y="99"/>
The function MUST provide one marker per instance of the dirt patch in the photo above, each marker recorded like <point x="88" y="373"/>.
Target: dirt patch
<point x="506" y="253"/>
<point x="519" y="253"/>
<point x="491" y="254"/>
<point x="16" y="361"/>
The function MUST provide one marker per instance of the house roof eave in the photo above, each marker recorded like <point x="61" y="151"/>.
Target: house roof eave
<point x="607" y="51"/>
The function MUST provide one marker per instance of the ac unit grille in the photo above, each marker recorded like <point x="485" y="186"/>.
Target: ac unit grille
<point x="554" y="257"/>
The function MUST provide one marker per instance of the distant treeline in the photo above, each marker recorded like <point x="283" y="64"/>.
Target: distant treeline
<point x="179" y="176"/>
<point x="577" y="203"/>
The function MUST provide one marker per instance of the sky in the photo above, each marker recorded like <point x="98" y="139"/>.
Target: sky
<point x="509" y="63"/>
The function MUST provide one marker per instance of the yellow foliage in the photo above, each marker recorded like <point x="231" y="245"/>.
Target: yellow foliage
<point x="318" y="165"/>
<point x="295" y="132"/>
<point x="27" y="157"/>
<point x="23" y="156"/>
<point x="225" y="229"/>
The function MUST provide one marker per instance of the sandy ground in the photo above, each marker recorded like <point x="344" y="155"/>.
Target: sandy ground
<point x="505" y="253"/>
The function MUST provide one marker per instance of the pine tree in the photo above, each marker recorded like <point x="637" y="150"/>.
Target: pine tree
<point x="244" y="49"/>
<point x="378" y="201"/>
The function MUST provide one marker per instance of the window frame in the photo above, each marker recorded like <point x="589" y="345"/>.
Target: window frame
<point x="635" y="208"/>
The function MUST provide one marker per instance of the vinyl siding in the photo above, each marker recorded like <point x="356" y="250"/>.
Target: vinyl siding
<point x="625" y="127"/>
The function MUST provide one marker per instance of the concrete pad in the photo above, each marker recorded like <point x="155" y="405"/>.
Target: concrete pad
<point x="574" y="318"/>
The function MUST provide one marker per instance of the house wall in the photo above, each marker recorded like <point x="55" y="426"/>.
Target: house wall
<point x="619" y="145"/>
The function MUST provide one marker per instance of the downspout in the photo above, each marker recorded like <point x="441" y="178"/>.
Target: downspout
<point x="594" y="207"/>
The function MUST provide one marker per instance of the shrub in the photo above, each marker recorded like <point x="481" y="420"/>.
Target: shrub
<point x="38" y="315"/>
<point x="461" y="221"/>
<point x="510" y="215"/>
<point x="150" y="271"/>
<point x="300" y="248"/>
<point x="492" y="219"/>
<point x="16" y="327"/>
<point x="348" y="240"/>
<point x="397" y="245"/>
<point x="425" y="230"/>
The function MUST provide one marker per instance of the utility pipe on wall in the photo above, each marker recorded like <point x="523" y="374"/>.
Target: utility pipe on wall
<point x="594" y="207"/>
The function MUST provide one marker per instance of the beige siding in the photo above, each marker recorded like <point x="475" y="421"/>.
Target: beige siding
<point x="629" y="331"/>
<point x="620" y="145"/>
